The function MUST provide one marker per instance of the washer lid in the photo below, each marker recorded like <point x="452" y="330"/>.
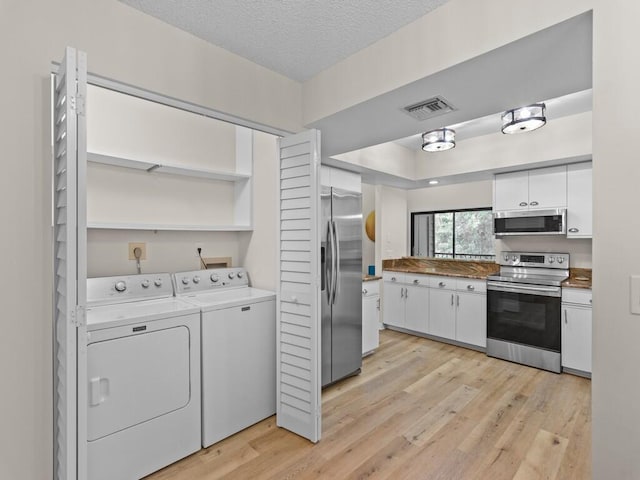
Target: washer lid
<point x="108" y="316"/>
<point x="228" y="298"/>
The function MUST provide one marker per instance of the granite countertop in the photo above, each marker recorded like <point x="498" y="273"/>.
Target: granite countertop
<point x="442" y="266"/>
<point x="578" y="278"/>
<point x="369" y="278"/>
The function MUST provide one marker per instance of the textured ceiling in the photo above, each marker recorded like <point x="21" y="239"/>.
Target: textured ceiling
<point x="297" y="38"/>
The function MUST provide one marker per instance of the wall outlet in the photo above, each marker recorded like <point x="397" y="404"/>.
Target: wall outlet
<point x="142" y="246"/>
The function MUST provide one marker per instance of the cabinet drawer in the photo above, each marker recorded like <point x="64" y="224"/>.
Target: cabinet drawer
<point x="445" y="283"/>
<point x="417" y="280"/>
<point x="394" y="277"/>
<point x="471" y="285"/>
<point x="371" y="288"/>
<point x="581" y="296"/>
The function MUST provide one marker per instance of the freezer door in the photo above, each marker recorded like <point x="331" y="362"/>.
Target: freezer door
<point x="346" y="324"/>
<point x="326" y="275"/>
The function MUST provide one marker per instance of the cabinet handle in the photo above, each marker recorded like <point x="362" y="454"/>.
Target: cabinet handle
<point x="378" y="304"/>
<point x="523" y="204"/>
<point x="442" y="284"/>
<point x="565" y="316"/>
<point x="573" y="230"/>
<point x="393" y="279"/>
<point x="457" y="300"/>
<point x="471" y="287"/>
<point x="406" y="293"/>
<point x="534" y="203"/>
<point x="402" y="292"/>
<point x="452" y="299"/>
<point x="364" y="291"/>
<point x="416" y="281"/>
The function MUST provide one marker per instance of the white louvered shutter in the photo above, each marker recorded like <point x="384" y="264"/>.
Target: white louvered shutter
<point x="69" y="230"/>
<point x="299" y="390"/>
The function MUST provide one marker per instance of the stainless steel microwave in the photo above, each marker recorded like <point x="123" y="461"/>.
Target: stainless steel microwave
<point x="530" y="222"/>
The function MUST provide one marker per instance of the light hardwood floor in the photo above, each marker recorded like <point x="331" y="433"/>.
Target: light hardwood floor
<point x="421" y="410"/>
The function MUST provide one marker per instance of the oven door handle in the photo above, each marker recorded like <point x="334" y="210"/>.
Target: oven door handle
<point x="537" y="290"/>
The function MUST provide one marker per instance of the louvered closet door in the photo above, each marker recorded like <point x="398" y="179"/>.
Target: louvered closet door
<point x="69" y="230"/>
<point x="298" y="341"/>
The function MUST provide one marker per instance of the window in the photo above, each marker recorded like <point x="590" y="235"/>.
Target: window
<point x="462" y="234"/>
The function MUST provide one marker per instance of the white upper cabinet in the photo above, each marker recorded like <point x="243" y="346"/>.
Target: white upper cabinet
<point x="157" y="167"/>
<point x="579" y="200"/>
<point x="532" y="189"/>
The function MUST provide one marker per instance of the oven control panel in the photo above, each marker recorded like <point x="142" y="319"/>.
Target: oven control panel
<point x="529" y="259"/>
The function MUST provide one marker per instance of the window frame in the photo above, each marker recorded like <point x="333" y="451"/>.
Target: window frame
<point x="454" y="211"/>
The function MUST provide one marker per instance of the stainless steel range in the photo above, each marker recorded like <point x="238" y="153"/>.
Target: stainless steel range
<point x="523" y="308"/>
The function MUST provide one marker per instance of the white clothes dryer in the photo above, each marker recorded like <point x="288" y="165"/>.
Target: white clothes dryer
<point x="143" y="376"/>
<point x="238" y="349"/>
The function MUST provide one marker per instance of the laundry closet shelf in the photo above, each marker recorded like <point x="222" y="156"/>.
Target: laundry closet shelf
<point x="152" y="167"/>
<point x="151" y="226"/>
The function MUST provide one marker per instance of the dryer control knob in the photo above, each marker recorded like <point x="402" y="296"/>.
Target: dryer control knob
<point x="185" y="280"/>
<point x="231" y="275"/>
<point x="215" y="278"/>
<point x="196" y="279"/>
<point x="158" y="282"/>
<point x="145" y="283"/>
<point x="120" y="286"/>
<point x="240" y="274"/>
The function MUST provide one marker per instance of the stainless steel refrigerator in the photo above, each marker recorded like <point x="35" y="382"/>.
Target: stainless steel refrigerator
<point x="341" y="283"/>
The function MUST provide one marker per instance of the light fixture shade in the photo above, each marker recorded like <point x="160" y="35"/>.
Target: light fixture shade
<point x="524" y="119"/>
<point x="438" y="140"/>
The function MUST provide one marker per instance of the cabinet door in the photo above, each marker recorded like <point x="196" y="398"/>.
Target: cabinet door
<point x="510" y="191"/>
<point x="370" y="337"/>
<point x="548" y="187"/>
<point x="417" y="309"/>
<point x="471" y="319"/>
<point x="579" y="200"/>
<point x="576" y="338"/>
<point x="442" y="314"/>
<point x="393" y="304"/>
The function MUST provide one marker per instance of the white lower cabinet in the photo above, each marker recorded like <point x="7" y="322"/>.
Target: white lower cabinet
<point x="406" y="301"/>
<point x="576" y="330"/>
<point x="370" y="316"/>
<point x="458" y="310"/>
<point x="445" y="307"/>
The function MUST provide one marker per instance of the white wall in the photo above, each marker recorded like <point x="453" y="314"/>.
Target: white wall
<point x="388" y="158"/>
<point x="126" y="45"/>
<point x="391" y="224"/>
<point x="368" y="246"/>
<point x="257" y="248"/>
<point x="616" y="356"/>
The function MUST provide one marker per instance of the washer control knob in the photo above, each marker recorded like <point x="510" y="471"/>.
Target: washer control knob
<point x="145" y="283"/>
<point x="560" y="260"/>
<point x="551" y="260"/>
<point x="120" y="286"/>
<point x="231" y="275"/>
<point x="158" y="282"/>
<point x="214" y="278"/>
<point x="196" y="279"/>
<point x="185" y="280"/>
<point x="240" y="274"/>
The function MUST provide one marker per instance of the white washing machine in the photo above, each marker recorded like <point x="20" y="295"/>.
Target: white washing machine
<point x="238" y="349"/>
<point x="143" y="376"/>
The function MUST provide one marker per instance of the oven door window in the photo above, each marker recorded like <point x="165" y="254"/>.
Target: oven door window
<point x="524" y="318"/>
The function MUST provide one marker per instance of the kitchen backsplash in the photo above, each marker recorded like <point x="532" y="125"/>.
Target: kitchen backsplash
<point x="578" y="249"/>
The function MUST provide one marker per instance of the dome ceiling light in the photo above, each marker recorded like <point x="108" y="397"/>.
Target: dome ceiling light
<point x="438" y="140"/>
<point x="524" y="119"/>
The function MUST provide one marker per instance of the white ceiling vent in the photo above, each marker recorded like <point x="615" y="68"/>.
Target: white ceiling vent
<point x="429" y="108"/>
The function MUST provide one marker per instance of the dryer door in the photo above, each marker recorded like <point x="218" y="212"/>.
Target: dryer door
<point x="135" y="379"/>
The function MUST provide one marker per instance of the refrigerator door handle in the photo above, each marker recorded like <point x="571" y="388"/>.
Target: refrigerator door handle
<point x="336" y="241"/>
<point x="329" y="269"/>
